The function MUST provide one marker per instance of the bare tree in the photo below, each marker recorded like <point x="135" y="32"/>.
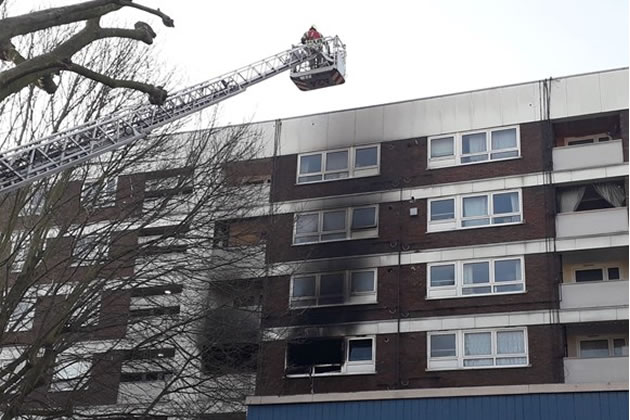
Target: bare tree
<point x="117" y="296"/>
<point x="39" y="69"/>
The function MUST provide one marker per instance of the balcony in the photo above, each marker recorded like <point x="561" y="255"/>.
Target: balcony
<point x="593" y="294"/>
<point x="596" y="370"/>
<point x="592" y="222"/>
<point x="587" y="155"/>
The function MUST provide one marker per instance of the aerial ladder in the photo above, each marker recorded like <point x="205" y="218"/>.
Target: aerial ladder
<point x="314" y="65"/>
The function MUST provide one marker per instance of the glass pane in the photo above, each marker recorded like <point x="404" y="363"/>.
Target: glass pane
<point x="507" y="270"/>
<point x="366" y="157"/>
<point x="331" y="284"/>
<point x="333" y="236"/>
<point x="506" y="219"/>
<point x="306" y="239"/>
<point x="594" y="274"/>
<point x="475" y="206"/>
<point x="476" y="222"/>
<point x="504" y="155"/>
<point x="334" y="220"/>
<point x="505" y="203"/>
<point x="594" y="348"/>
<point x="310" y="164"/>
<point x="306" y="223"/>
<point x="476" y="290"/>
<point x="443" y="275"/>
<point x="443" y="345"/>
<point x="364" y="218"/>
<point x="510" y="342"/>
<point x="360" y="350"/>
<point x="474" y="158"/>
<point x="613" y="273"/>
<point x="504" y="139"/>
<point x="443" y="209"/>
<point x="362" y="281"/>
<point x="304" y="286"/>
<point x="619" y="347"/>
<point x="442" y="147"/>
<point x="336" y="175"/>
<point x="508" y="288"/>
<point x="478" y="362"/>
<point x="473" y="143"/>
<point x="476" y="344"/>
<point x="311" y="178"/>
<point x="336" y="161"/>
<point x="511" y="361"/>
<point x="475" y="273"/>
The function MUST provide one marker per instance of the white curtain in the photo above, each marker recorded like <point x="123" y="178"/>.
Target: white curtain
<point x="510" y="342"/>
<point x="514" y="202"/>
<point x="477" y="344"/>
<point x="475" y="206"/>
<point x="570" y="199"/>
<point x="612" y="193"/>
<point x="474" y="143"/>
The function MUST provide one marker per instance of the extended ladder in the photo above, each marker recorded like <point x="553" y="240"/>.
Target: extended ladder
<point x="44" y="157"/>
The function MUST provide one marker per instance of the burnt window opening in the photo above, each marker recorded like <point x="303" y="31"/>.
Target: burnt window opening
<point x="230" y="358"/>
<point x="592" y="197"/>
<point x="141" y="313"/>
<point x="315" y="356"/>
<point x="143" y="354"/>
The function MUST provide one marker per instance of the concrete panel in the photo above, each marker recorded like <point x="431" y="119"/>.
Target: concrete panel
<point x="614" y="90"/>
<point x="423" y="124"/>
<point x="583" y="95"/>
<point x="558" y="98"/>
<point x="369" y="125"/>
<point x="594" y="294"/>
<point x="596" y="370"/>
<point x="519" y="104"/>
<point x="305" y="134"/>
<point x="341" y="129"/>
<point x="486" y="109"/>
<point x="398" y="121"/>
<point x="593" y="222"/>
<point x="587" y="155"/>
<point x="463" y="112"/>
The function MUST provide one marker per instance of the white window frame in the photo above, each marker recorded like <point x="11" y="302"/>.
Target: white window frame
<point x="107" y="195"/>
<point x="457" y="221"/>
<point x="60" y="383"/>
<point x="456" y="290"/>
<point x="348" y="367"/>
<point x="603" y="267"/>
<point x="457" y="362"/>
<point x="611" y="345"/>
<point x="349" y="298"/>
<point x="352" y="170"/>
<point x="456" y="158"/>
<point x="360" y="233"/>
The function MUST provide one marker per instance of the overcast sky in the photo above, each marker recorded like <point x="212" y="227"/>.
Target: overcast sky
<point x="397" y="50"/>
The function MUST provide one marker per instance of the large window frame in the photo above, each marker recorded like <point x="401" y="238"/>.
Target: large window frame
<point x="458" y="289"/>
<point x="459" y="359"/>
<point x="332" y="235"/>
<point x="72" y="372"/>
<point x="347" y="296"/>
<point x="459" y="221"/>
<point x="352" y="170"/>
<point x="457" y="157"/>
<point x="612" y="348"/>
<point x="347" y="367"/>
<point x="604" y="268"/>
<point x="105" y="189"/>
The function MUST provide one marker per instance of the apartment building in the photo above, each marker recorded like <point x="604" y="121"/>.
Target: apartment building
<point x="456" y="256"/>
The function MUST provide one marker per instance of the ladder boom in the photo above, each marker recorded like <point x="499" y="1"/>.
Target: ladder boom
<point x="27" y="163"/>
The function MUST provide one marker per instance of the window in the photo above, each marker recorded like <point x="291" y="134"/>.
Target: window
<point x="470" y="278"/>
<point x="354" y="162"/>
<point x="341" y="288"/>
<point x="23" y="315"/>
<point x="100" y="193"/>
<point x="330" y="356"/>
<point x="472" y="349"/>
<point x="34" y="203"/>
<point x="91" y="249"/>
<point x="71" y="373"/>
<point x="603" y="347"/>
<point x="334" y="225"/>
<point x="595" y="273"/>
<point x="476" y="210"/>
<point x="474" y="147"/>
<point x="603" y="195"/>
<point x="183" y="182"/>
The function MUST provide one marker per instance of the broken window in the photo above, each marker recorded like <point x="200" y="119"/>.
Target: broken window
<point x="330" y="355"/>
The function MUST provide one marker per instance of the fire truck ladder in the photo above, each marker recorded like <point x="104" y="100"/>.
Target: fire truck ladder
<point x="25" y="164"/>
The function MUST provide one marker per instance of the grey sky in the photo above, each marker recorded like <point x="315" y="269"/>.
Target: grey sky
<point x="397" y="50"/>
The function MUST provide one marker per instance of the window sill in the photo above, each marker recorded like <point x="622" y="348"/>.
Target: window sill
<point x="297" y="308"/>
<point x="297" y="184"/>
<point x="522" y="292"/>
<point x="375" y="235"/>
<point x="329" y="374"/>
<point x="478" y="368"/>
<point x="522" y="222"/>
<point x="430" y="167"/>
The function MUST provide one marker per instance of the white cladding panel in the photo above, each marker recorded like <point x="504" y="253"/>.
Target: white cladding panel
<point x="501" y="106"/>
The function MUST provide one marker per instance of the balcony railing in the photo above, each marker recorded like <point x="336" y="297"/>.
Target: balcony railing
<point x="596" y="370"/>
<point x="587" y="155"/>
<point x="594" y="294"/>
<point x="592" y="222"/>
